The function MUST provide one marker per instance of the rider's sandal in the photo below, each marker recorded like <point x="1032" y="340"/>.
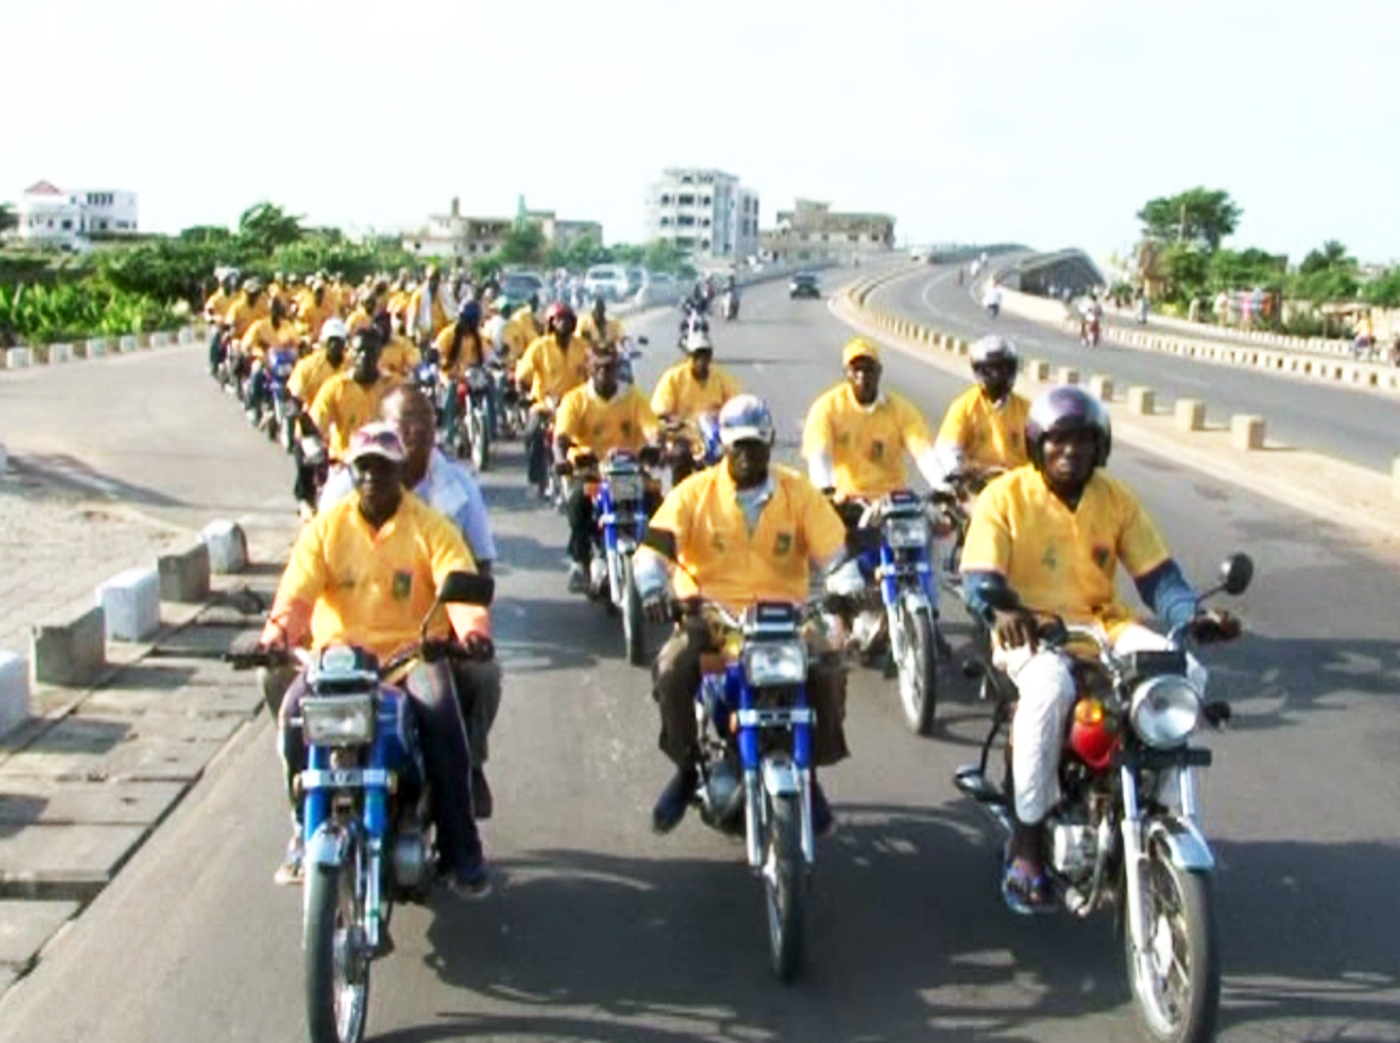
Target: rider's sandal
<point x="1024" y="891"/>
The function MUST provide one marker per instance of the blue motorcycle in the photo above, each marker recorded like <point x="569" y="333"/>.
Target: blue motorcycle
<point x="280" y="409"/>
<point x="366" y="814"/>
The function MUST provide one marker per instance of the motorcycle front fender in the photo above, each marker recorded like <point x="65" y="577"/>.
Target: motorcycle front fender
<point x="914" y="600"/>
<point x="328" y="847"/>
<point x="781" y="778"/>
<point x="1184" y="843"/>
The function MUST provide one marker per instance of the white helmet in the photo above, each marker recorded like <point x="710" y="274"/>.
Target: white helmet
<point x="334" y="328"/>
<point x="698" y="340"/>
<point x="993" y="348"/>
<point x="745" y="417"/>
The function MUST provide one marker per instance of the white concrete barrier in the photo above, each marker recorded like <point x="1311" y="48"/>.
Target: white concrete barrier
<point x="131" y="602"/>
<point x="1190" y="414"/>
<point x="228" y="546"/>
<point x="1247" y="432"/>
<point x="160" y="340"/>
<point x="95" y="348"/>
<point x="128" y="343"/>
<point x="60" y="353"/>
<point x="19" y="358"/>
<point x="14" y="691"/>
<point x="1141" y="400"/>
<point x="1067" y="375"/>
<point x="187" y="335"/>
<point x="1101" y="387"/>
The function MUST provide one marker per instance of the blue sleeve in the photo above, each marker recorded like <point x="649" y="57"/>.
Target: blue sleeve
<point x="474" y="522"/>
<point x="977" y="590"/>
<point x="1166" y="591"/>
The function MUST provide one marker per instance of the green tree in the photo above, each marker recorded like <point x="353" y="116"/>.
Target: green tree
<point x="1200" y="216"/>
<point x="523" y="244"/>
<point x="1231" y="270"/>
<point x="206" y="234"/>
<point x="662" y="256"/>
<point x="1186" y="269"/>
<point x="8" y="218"/>
<point x="1385" y="291"/>
<point x="265" y="227"/>
<point x="1331" y="256"/>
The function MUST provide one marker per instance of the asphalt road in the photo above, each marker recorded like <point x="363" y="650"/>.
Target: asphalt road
<point x="1362" y="427"/>
<point x="599" y="931"/>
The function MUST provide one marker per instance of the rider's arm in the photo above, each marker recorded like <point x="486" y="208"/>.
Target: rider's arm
<point x="982" y="589"/>
<point x="816" y="446"/>
<point x="1168" y="593"/>
<point x="303" y="581"/>
<point x="568" y="424"/>
<point x="447" y="552"/>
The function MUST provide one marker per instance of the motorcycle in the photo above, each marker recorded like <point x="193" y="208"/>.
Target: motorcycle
<point x="366" y="814"/>
<point x="756" y="743"/>
<point x="622" y="519"/>
<point x="474" y="416"/>
<point x="729" y="305"/>
<point x="1112" y="843"/>
<point x="1090" y="331"/>
<point x="279" y="408"/>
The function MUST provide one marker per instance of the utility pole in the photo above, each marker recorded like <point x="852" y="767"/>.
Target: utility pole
<point x="1181" y="226"/>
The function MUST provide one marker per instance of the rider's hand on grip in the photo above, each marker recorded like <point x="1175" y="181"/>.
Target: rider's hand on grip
<point x="479" y="646"/>
<point x="436" y="649"/>
<point x="1214" y="627"/>
<point x="657" y="608"/>
<point x="1016" y="628"/>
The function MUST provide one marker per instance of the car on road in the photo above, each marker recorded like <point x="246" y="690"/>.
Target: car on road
<point x="521" y="286"/>
<point x="804" y="284"/>
<point x="608" y="281"/>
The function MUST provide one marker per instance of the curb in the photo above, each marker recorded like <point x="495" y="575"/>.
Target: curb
<point x="25" y="356"/>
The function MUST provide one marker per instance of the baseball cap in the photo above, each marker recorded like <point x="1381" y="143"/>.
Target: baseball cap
<point x="376" y="439"/>
<point x="859" y="348"/>
<point x="744" y="418"/>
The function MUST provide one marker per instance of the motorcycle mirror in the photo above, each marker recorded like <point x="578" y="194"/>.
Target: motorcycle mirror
<point x="1236" y="573"/>
<point x="643" y="340"/>
<point x="466" y="588"/>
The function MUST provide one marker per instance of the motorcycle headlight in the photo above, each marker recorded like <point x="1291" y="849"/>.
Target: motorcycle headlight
<point x="906" y="533"/>
<point x="775" y="662"/>
<point x="338" y="720"/>
<point x="625" y="487"/>
<point x="1165" y="710"/>
<point x="478" y="380"/>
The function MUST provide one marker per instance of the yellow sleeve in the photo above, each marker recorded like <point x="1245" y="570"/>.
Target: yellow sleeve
<point x="915" y="428"/>
<point x="296" y="383"/>
<point x="988" y="546"/>
<point x="816" y="434"/>
<point x="569" y="419"/>
<point x="644" y="416"/>
<point x="1141" y="547"/>
<point x="320" y="411"/>
<point x="303" y="581"/>
<point x="673" y="516"/>
<point x="823" y="530"/>
<point x="525" y="368"/>
<point x="953" y="430"/>
<point x="663" y="399"/>
<point x="443" y="342"/>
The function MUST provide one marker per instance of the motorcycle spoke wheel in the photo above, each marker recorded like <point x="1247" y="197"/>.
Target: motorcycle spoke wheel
<point x="784" y="884"/>
<point x="918" y="672"/>
<point x="337" y="967"/>
<point x="633" y="625"/>
<point x="1177" y="982"/>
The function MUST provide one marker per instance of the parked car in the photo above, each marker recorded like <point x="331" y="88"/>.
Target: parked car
<point x="636" y="277"/>
<point x="521" y="286"/>
<point x="659" y="288"/>
<point x="804" y="284"/>
<point x="608" y="281"/>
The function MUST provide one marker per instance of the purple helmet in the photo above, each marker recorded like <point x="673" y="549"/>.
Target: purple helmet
<point x="1067" y="408"/>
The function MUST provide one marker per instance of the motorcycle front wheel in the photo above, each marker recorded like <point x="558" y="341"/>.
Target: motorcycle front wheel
<point x="784" y="883"/>
<point x="1177" y="983"/>
<point x="480" y="440"/>
<point x="337" y="966"/>
<point x="633" y="625"/>
<point x="918" y="671"/>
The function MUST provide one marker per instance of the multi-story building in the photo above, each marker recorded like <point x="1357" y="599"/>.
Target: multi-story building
<point x="468" y="238"/>
<point x="703" y="212"/>
<point x="812" y="230"/>
<point x="71" y="217"/>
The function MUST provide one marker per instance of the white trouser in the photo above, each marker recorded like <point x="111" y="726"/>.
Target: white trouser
<point x="1046" y="690"/>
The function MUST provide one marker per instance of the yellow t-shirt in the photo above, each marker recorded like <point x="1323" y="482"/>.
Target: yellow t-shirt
<point x="987" y="435"/>
<point x="312" y="315"/>
<point x="1058" y="560"/>
<point x="591" y="422"/>
<point x="525" y="316"/>
<point x="440" y="316"/>
<point x="866" y="446"/>
<point x="241" y="314"/>
<point x="547" y="370"/>
<point x="612" y="332"/>
<point x="398" y="357"/>
<point x="310" y="375"/>
<point x="515" y="338"/>
<point x="358" y="321"/>
<point x="342" y="407"/>
<point x="371" y="588"/>
<point x="262" y="335"/>
<point x="472" y="352"/>
<point x="721" y="560"/>
<point x="218" y="304"/>
<point x="680" y="396"/>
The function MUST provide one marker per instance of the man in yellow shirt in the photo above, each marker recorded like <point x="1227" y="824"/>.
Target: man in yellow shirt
<point x="399" y="355"/>
<point x="598" y="417"/>
<point x="347" y="401"/>
<point x="276" y="332"/>
<point x="366" y="572"/>
<point x="689" y="390"/>
<point x="598" y="328"/>
<point x="552" y="366"/>
<point x="314" y="307"/>
<point x="430" y="307"/>
<point x="215" y="308"/>
<point x="984" y="428"/>
<point x="310" y="375"/>
<point x="856" y="436"/>
<point x="1047" y="537"/>
<point x="743" y="532"/>
<point x="248" y="308"/>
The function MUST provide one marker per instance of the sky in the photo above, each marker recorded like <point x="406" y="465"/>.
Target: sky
<point x="1045" y="122"/>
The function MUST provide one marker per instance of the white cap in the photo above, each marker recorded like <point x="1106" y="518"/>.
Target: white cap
<point x="334" y="328"/>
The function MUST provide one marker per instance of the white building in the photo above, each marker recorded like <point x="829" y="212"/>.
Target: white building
<point x="703" y="212"/>
<point x="70" y="217"/>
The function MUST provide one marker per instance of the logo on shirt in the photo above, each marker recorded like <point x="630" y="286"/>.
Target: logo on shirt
<point x="627" y="429"/>
<point x="403" y="585"/>
<point x="1050" y="561"/>
<point x="877" y="450"/>
<point x="1103" y="558"/>
<point x="783" y="544"/>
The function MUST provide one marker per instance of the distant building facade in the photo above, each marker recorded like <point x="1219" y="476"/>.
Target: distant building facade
<point x="471" y="238"/>
<point x="703" y="212"/>
<point x="73" y="217"/>
<point x="813" y="230"/>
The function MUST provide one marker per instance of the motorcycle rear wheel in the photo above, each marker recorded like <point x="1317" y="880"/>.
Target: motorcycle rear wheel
<point x="337" y="968"/>
<point x="918" y="671"/>
<point x="784" y="882"/>
<point x="1178" y="992"/>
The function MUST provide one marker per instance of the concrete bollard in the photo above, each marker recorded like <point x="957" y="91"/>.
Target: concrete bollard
<point x="961" y="347"/>
<point x="19" y="358"/>
<point x="4" y="460"/>
<point x="187" y="335"/>
<point x="1142" y="401"/>
<point x="14" y="692"/>
<point x="160" y="340"/>
<point x="1247" y="432"/>
<point x="184" y="577"/>
<point x="72" y="654"/>
<point x="60" y="353"/>
<point x="1038" y="370"/>
<point x="1101" y="387"/>
<point x="128" y="344"/>
<point x="1190" y="414"/>
<point x="131" y="602"/>
<point x="228" y="547"/>
<point x="1067" y="375"/>
<point x="97" y="348"/>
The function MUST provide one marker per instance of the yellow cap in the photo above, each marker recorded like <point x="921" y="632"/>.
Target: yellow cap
<point x="859" y="348"/>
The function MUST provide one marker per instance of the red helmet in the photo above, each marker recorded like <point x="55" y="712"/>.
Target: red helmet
<point x="557" y="310"/>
